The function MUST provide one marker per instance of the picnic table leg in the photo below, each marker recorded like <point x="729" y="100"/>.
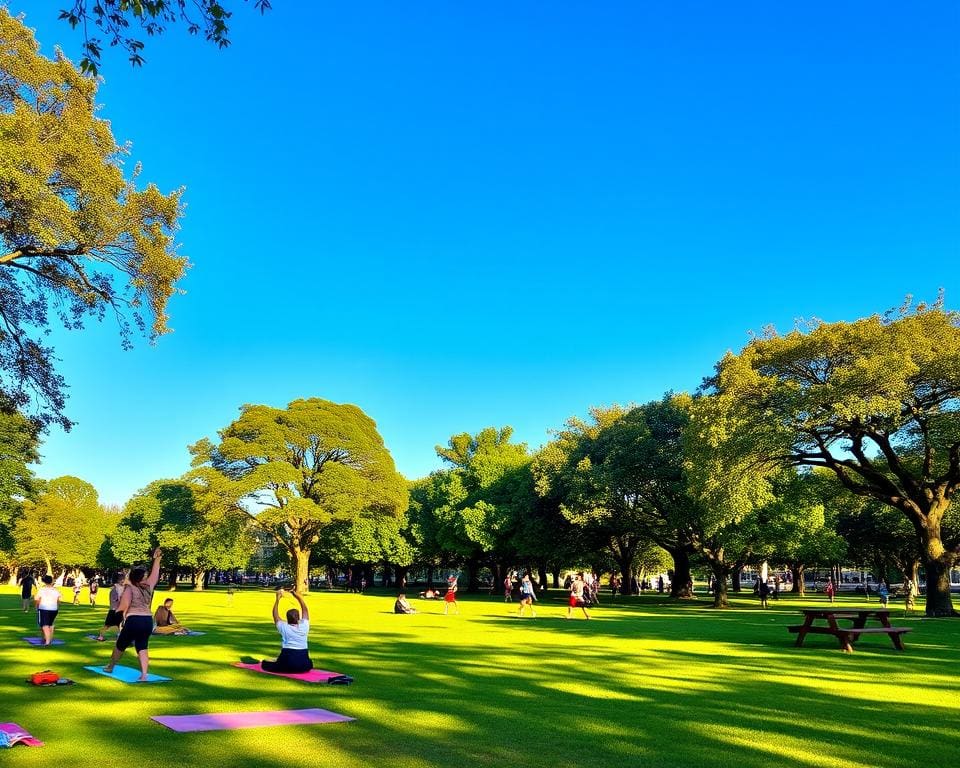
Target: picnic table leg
<point x="845" y="644"/>
<point x="897" y="641"/>
<point x="807" y="621"/>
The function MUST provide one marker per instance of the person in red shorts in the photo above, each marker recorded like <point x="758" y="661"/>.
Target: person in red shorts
<point x="576" y="597"/>
<point x="451" y="597"/>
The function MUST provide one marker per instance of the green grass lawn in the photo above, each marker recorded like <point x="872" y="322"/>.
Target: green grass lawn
<point x="645" y="683"/>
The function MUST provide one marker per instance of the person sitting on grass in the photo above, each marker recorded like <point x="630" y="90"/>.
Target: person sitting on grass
<point x="402" y="605"/>
<point x="294" y="657"/>
<point x="430" y="594"/>
<point x="165" y="623"/>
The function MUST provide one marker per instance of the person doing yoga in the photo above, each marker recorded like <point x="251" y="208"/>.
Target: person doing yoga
<point x="136" y="607"/>
<point x="294" y="657"/>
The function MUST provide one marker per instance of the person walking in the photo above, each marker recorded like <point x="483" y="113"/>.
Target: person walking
<point x="763" y="591"/>
<point x="576" y="597"/>
<point x="450" y="598"/>
<point x="830" y="590"/>
<point x="27" y="583"/>
<point x="527" y="596"/>
<point x="93" y="588"/>
<point x="136" y="605"/>
<point x="884" y="591"/>
<point x="508" y="588"/>
<point x="48" y="605"/>
<point x="294" y="655"/>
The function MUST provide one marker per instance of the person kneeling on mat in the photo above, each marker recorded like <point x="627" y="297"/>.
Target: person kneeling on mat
<point x="293" y="657"/>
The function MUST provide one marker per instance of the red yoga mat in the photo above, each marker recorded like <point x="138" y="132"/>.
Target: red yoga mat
<point x="313" y="676"/>
<point x="226" y="721"/>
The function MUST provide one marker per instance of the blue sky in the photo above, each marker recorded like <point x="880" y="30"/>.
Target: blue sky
<point x="467" y="214"/>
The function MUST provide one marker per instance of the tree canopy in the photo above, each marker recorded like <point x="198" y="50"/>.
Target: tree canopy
<point x="125" y="22"/>
<point x="294" y="471"/>
<point x="77" y="238"/>
<point x="876" y="402"/>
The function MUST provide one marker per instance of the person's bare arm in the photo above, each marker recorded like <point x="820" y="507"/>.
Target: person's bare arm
<point x="276" y="606"/>
<point x="124" y="604"/>
<point x="304" y="611"/>
<point x="155" y="570"/>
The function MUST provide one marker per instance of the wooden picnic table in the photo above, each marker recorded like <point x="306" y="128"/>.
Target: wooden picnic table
<point x="847" y="635"/>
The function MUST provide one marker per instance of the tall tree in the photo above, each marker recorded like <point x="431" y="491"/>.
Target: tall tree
<point x="19" y="441"/>
<point x="76" y="238"/>
<point x="876" y="402"/>
<point x="65" y="525"/>
<point x="489" y="492"/>
<point x="114" y="19"/>
<point x="293" y="471"/>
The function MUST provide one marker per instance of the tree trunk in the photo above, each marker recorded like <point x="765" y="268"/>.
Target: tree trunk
<point x="46" y="559"/>
<point x="556" y="577"/>
<point x="720" y="571"/>
<point x="735" y="578"/>
<point x="542" y="569"/>
<point x="199" y="579"/>
<point x="386" y="574"/>
<point x="300" y="561"/>
<point x="797" y="569"/>
<point x="400" y="576"/>
<point x="473" y="575"/>
<point x="681" y="572"/>
<point x="626" y="573"/>
<point x="938" y="562"/>
<point x="430" y="577"/>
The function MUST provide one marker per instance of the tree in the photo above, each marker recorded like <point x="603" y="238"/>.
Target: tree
<point x="876" y="402"/>
<point x="19" y="441"/>
<point x="295" y="471"/>
<point x="115" y="17"/>
<point x="166" y="514"/>
<point x="489" y="491"/>
<point x="592" y="466"/>
<point x="65" y="525"/>
<point x="76" y="237"/>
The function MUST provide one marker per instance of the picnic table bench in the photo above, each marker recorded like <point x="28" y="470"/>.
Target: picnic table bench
<point x="847" y="635"/>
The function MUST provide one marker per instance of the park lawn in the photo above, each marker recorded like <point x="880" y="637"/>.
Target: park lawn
<point x="646" y="682"/>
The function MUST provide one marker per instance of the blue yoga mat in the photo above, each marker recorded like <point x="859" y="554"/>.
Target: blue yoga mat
<point x="128" y="675"/>
<point x="38" y="641"/>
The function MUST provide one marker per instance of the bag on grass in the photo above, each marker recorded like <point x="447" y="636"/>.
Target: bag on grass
<point x="44" y="678"/>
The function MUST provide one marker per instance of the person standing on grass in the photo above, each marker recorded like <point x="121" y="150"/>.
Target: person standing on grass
<point x="48" y="604"/>
<point x="77" y="586"/>
<point x="508" y="589"/>
<point x="576" y="597"/>
<point x="830" y="590"/>
<point x="136" y="605"/>
<point x="763" y="591"/>
<point x="114" y="615"/>
<point x="884" y="591"/>
<point x="294" y="657"/>
<point x="27" y="583"/>
<point x="527" y="595"/>
<point x="93" y="587"/>
<point x="450" y="598"/>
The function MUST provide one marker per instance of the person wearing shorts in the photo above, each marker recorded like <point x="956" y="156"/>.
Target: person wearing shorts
<point x="294" y="657"/>
<point x="451" y="597"/>
<point x="114" y="616"/>
<point x="527" y="595"/>
<point x="48" y="605"/>
<point x="137" y="609"/>
<point x="576" y="597"/>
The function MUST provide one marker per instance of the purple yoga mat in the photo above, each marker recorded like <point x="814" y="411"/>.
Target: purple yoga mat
<point x="313" y="676"/>
<point x="227" y="721"/>
<point x="13" y="729"/>
<point x="39" y="641"/>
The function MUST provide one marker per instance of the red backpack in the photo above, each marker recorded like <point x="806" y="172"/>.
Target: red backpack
<point x="44" y="678"/>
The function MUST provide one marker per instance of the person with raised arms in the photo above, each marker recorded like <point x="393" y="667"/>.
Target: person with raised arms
<point x="294" y="656"/>
<point x="136" y="605"/>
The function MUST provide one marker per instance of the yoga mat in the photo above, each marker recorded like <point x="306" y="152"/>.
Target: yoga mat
<point x="313" y="676"/>
<point x="39" y="641"/>
<point x="128" y="675"/>
<point x="191" y="633"/>
<point x="12" y="729"/>
<point x="227" y="721"/>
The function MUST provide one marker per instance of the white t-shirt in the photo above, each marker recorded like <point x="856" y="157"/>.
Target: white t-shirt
<point x="49" y="598"/>
<point x="294" y="635"/>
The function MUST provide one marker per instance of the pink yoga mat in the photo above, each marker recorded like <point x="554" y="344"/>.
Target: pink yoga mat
<point x="226" y="721"/>
<point x="13" y="728"/>
<point x="313" y="676"/>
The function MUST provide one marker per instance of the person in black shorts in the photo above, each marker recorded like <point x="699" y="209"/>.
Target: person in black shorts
<point x="136" y="604"/>
<point x="114" y="616"/>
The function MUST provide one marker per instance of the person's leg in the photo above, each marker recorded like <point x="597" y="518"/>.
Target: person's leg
<point x="114" y="658"/>
<point x="144" y="658"/>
